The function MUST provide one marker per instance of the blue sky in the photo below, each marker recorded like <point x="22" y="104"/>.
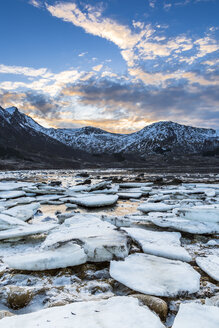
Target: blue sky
<point x="115" y="64"/>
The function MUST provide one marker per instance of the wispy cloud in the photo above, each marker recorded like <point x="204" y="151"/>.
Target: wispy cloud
<point x="35" y="3"/>
<point x="82" y="54"/>
<point x="19" y="70"/>
<point x="97" y="68"/>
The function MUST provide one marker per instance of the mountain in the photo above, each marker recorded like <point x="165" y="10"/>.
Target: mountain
<point x="21" y="136"/>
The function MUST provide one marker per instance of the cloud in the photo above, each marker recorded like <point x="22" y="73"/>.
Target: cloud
<point x="92" y="22"/>
<point x="19" y="70"/>
<point x="125" y="101"/>
<point x="35" y="3"/>
<point x="97" y="68"/>
<point x="82" y="54"/>
<point x="152" y="3"/>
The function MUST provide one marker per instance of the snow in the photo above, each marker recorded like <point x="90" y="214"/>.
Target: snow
<point x="100" y="240"/>
<point x="8" y="222"/>
<point x="155" y="207"/>
<point x="200" y="213"/>
<point x="118" y="312"/>
<point x="194" y="227"/>
<point x="28" y="230"/>
<point x="11" y="194"/>
<point x="193" y="315"/>
<point x="11" y="110"/>
<point x="96" y="200"/>
<point x="210" y="265"/>
<point x="62" y="257"/>
<point x="23" y="212"/>
<point x="164" y="244"/>
<point x="156" y="276"/>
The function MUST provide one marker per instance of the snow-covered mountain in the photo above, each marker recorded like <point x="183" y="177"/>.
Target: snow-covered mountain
<point x="22" y="137"/>
<point x="158" y="138"/>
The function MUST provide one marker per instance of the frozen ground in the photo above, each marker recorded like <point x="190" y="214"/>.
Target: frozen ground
<point x="85" y="241"/>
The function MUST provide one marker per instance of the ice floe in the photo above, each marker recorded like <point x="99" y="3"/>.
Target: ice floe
<point x="155" y="275"/>
<point x="62" y="257"/>
<point x="200" y="213"/>
<point x="155" y="207"/>
<point x="193" y="315"/>
<point x="193" y="227"/>
<point x="210" y="264"/>
<point x="96" y="200"/>
<point x="100" y="240"/>
<point x="165" y="244"/>
<point x="118" y="312"/>
<point x="27" y="230"/>
<point x="11" y="194"/>
<point x="8" y="222"/>
<point x="23" y="212"/>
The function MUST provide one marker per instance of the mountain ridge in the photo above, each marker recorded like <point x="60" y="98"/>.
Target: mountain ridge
<point x="90" y="144"/>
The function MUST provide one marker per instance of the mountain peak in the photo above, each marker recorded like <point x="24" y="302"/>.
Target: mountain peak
<point x="12" y="110"/>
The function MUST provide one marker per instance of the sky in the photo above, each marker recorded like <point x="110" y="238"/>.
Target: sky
<point x="114" y="64"/>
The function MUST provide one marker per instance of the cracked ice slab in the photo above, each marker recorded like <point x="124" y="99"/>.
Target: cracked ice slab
<point x="160" y="243"/>
<point x="193" y="227"/>
<point x="118" y="312"/>
<point x="193" y="315"/>
<point x="100" y="240"/>
<point x="62" y="257"/>
<point x="156" y="276"/>
<point x="8" y="222"/>
<point x="204" y="213"/>
<point x="210" y="265"/>
<point x="11" y="194"/>
<point x="27" y="230"/>
<point x="23" y="212"/>
<point x="155" y="207"/>
<point x="96" y="200"/>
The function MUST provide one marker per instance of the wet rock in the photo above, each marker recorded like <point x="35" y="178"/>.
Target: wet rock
<point x="156" y="304"/>
<point x="55" y="183"/>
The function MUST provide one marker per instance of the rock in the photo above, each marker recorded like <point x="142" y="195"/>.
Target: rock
<point x="156" y="304"/>
<point x="18" y="297"/>
<point x="4" y="314"/>
<point x="156" y="276"/>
